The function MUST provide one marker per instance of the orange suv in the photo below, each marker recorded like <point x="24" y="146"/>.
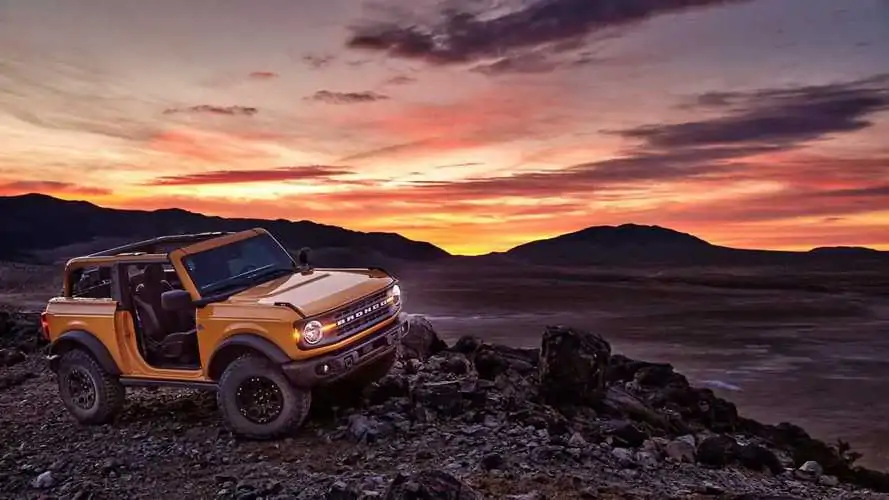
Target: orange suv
<point x="231" y="312"/>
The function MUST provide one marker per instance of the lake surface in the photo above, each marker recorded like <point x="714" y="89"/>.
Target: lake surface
<point x="818" y="360"/>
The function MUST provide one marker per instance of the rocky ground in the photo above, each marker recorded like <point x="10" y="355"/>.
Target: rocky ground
<point x="472" y="420"/>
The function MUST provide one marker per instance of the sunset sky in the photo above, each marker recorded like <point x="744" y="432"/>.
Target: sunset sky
<point x="476" y="125"/>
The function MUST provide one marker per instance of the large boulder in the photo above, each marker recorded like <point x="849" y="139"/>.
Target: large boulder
<point x="421" y="341"/>
<point x="572" y="367"/>
<point x="430" y="485"/>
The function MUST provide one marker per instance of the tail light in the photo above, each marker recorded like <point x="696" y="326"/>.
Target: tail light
<point x="44" y="325"/>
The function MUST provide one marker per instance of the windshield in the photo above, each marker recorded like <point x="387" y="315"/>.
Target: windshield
<point x="241" y="264"/>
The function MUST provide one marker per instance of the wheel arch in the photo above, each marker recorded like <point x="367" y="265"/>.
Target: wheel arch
<point x="82" y="339"/>
<point x="240" y="344"/>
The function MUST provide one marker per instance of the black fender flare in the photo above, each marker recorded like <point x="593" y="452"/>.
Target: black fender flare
<point x="86" y="341"/>
<point x="250" y="341"/>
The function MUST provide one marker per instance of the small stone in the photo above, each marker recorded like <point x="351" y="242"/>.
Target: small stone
<point x="44" y="481"/>
<point x="624" y="455"/>
<point x="812" y="467"/>
<point x="717" y="451"/>
<point x="829" y="481"/>
<point x="589" y="493"/>
<point x="492" y="461"/>
<point x="646" y="459"/>
<point x="576" y="441"/>
<point x="340" y="491"/>
<point x="534" y="495"/>
<point x="809" y="471"/>
<point x="680" y="451"/>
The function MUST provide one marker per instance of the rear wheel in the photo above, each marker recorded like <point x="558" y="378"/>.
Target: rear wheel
<point x="91" y="394"/>
<point x="257" y="401"/>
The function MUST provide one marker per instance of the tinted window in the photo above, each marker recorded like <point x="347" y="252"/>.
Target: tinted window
<point x="215" y="268"/>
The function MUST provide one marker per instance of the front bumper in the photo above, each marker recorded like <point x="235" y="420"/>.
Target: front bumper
<point x="337" y="365"/>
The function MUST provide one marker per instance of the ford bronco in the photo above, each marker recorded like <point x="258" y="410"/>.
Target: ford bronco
<point x="230" y="312"/>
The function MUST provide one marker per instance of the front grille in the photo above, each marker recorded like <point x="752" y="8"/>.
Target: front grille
<point x="362" y="315"/>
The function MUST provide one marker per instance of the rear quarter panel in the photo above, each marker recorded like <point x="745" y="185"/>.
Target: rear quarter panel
<point x="94" y="316"/>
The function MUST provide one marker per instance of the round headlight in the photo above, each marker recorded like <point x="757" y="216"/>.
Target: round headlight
<point x="313" y="332"/>
<point x="396" y="293"/>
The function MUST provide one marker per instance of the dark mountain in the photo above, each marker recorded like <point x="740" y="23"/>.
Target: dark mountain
<point x="609" y="243"/>
<point x="841" y="251"/>
<point x="633" y="244"/>
<point x="36" y="226"/>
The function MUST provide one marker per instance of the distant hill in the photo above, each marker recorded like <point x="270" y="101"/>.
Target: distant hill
<point x="840" y="251"/>
<point x="613" y="243"/>
<point x="44" y="228"/>
<point x="629" y="244"/>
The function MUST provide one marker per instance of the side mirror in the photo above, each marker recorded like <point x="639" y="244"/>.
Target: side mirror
<point x="302" y="257"/>
<point x="176" y="300"/>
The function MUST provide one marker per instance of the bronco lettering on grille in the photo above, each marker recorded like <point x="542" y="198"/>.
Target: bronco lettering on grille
<point x="360" y="313"/>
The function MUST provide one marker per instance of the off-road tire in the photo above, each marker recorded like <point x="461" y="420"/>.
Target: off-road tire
<point x="78" y="367"/>
<point x="295" y="402"/>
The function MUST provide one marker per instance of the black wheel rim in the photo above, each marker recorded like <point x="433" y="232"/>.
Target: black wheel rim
<point x="259" y="399"/>
<point x="81" y="388"/>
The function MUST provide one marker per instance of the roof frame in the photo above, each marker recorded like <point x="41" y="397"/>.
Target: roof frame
<point x="150" y="246"/>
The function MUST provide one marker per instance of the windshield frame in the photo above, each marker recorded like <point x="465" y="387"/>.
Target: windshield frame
<point x="244" y="280"/>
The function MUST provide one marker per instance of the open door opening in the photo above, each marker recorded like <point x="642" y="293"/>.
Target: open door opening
<point x="164" y="316"/>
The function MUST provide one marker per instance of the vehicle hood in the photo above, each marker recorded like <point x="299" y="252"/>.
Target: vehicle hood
<point x="317" y="291"/>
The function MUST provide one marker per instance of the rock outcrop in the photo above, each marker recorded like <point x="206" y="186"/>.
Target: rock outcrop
<point x="421" y="341"/>
<point x="573" y="365"/>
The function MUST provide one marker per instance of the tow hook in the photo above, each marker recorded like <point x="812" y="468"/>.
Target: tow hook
<point x="403" y="319"/>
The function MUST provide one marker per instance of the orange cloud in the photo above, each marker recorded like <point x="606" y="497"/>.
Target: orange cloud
<point x="308" y="172"/>
<point x="56" y="188"/>
<point x="206" y="146"/>
<point x="264" y="75"/>
<point x="216" y="110"/>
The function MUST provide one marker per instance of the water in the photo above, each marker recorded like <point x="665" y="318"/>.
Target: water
<point x="820" y="361"/>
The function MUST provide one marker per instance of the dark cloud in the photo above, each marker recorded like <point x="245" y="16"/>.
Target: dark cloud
<point x="786" y="117"/>
<point x="299" y="173"/>
<point x="216" y="110"/>
<point x="347" y="97"/>
<point x="530" y="62"/>
<point x="387" y="150"/>
<point x="461" y="36"/>
<point x="616" y="173"/>
<point x="881" y="191"/>
<point x="264" y="75"/>
<point x="315" y="61"/>
<point x="401" y="80"/>
<point x="52" y="187"/>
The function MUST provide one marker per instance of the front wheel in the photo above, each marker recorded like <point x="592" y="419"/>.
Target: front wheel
<point x="257" y="401"/>
<point x="89" y="393"/>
